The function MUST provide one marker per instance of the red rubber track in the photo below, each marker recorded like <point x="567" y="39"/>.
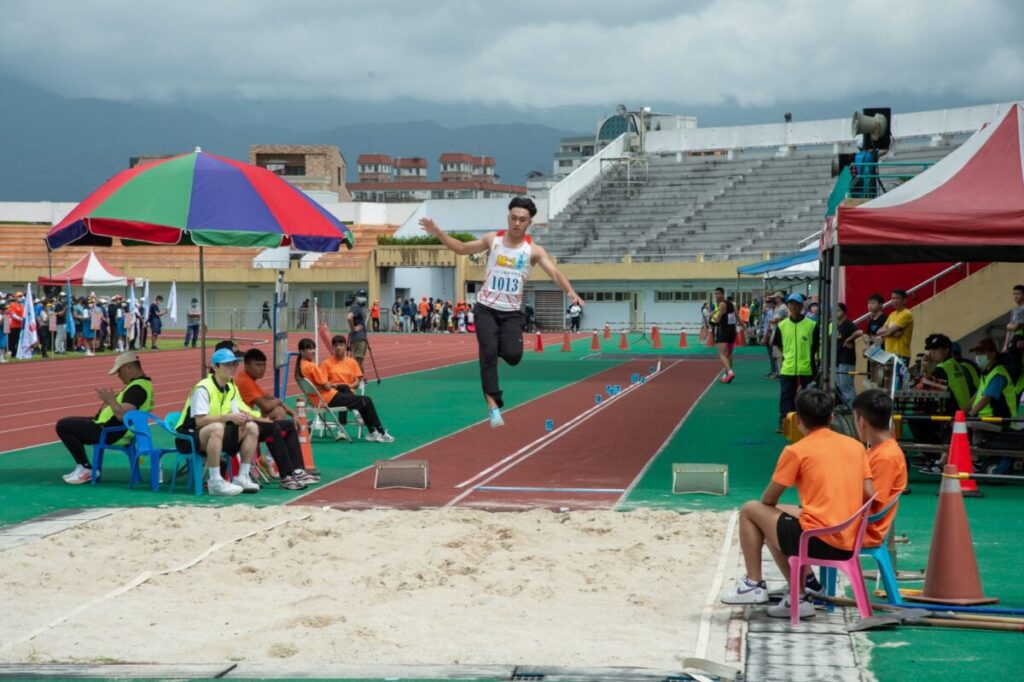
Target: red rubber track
<point x="606" y="450"/>
<point x="34" y="395"/>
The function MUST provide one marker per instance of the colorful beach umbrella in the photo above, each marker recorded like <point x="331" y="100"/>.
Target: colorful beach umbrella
<point x="200" y="199"/>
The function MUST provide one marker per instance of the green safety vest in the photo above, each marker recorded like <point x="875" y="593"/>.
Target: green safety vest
<point x="222" y="401"/>
<point x="1009" y="395"/>
<point x="971" y="373"/>
<point x="797" y="343"/>
<point x="106" y="413"/>
<point x="956" y="382"/>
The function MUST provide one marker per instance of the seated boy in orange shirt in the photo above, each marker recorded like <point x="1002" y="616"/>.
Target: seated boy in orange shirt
<point x="831" y="475"/>
<point x="872" y="411"/>
<point x="340" y="367"/>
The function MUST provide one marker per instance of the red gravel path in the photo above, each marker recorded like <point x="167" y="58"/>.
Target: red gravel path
<point x="606" y="450"/>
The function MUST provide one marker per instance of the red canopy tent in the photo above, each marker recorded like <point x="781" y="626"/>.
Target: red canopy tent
<point x="89" y="271"/>
<point x="967" y="207"/>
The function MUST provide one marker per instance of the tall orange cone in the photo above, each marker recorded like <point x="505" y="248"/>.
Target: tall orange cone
<point x="565" y="343"/>
<point x="623" y="343"/>
<point x="595" y="344"/>
<point x="952" y="575"/>
<point x="682" y="339"/>
<point x="741" y="336"/>
<point x="302" y="425"/>
<point x="539" y="346"/>
<point x="655" y="337"/>
<point x="709" y="341"/>
<point x="960" y="455"/>
<point x="607" y="332"/>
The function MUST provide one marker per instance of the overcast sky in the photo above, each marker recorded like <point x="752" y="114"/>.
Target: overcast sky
<point x="541" y="53"/>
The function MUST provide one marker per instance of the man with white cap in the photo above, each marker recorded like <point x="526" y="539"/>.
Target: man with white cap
<point x="77" y="432"/>
<point x="219" y="421"/>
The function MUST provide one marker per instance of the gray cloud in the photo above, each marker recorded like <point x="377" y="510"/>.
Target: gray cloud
<point x="532" y="53"/>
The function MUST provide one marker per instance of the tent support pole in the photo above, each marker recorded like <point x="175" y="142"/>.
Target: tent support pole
<point x="833" y="301"/>
<point x="202" y="316"/>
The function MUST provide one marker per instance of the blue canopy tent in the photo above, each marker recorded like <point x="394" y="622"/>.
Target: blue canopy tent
<point x="784" y="262"/>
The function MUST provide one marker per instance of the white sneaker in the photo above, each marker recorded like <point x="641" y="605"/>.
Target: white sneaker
<point x="745" y="593"/>
<point x="781" y="610"/>
<point x="246" y="484"/>
<point x="79" y="476"/>
<point x="496" y="420"/>
<point x="385" y="437"/>
<point x="218" y="487"/>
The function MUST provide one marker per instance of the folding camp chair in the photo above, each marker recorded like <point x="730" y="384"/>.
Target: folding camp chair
<point x="327" y="416"/>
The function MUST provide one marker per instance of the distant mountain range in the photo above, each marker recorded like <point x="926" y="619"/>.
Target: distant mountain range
<point x="60" y="148"/>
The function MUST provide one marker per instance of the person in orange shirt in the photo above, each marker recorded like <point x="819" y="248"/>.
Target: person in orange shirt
<point x="831" y="475"/>
<point x="337" y="393"/>
<point x="872" y="411"/>
<point x="375" y="316"/>
<point x="424" y="311"/>
<point x="16" y="311"/>
<point x="340" y="367"/>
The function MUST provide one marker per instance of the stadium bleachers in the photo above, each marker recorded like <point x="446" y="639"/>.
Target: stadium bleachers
<point x="703" y="208"/>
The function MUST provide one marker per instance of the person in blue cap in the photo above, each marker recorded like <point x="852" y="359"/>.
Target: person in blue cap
<point x="219" y="421"/>
<point x="797" y="337"/>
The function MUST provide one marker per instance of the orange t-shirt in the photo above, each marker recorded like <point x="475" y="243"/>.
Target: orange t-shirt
<point x="248" y="389"/>
<point x="317" y="377"/>
<point x="424" y="308"/>
<point x="344" y="371"/>
<point x="889" y="476"/>
<point x="828" y="470"/>
<point x="375" y="312"/>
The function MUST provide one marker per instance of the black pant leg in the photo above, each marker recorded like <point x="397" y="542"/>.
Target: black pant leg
<point x="488" y="334"/>
<point x="787" y="395"/>
<point x="510" y="337"/>
<point x="76" y="433"/>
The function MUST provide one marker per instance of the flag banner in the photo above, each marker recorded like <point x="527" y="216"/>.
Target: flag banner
<point x="69" y="317"/>
<point x="29" y="331"/>
<point x="172" y="303"/>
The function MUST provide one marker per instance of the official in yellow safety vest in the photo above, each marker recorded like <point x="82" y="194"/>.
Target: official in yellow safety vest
<point x="219" y="421"/>
<point x="77" y="432"/>
<point x="797" y="336"/>
<point x="996" y="396"/>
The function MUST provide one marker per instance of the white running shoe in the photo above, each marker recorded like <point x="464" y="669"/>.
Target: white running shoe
<point x="246" y="484"/>
<point x="781" y="610"/>
<point x="218" y="487"/>
<point x="372" y="437"/>
<point x="385" y="437"/>
<point x="496" y="420"/>
<point x="79" y="476"/>
<point x="745" y="592"/>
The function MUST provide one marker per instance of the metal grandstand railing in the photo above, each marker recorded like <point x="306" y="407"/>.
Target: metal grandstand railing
<point x="933" y="281"/>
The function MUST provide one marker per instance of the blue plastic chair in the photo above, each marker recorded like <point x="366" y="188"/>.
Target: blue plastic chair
<point x="881" y="556"/>
<point x="138" y="421"/>
<point x="192" y="460"/>
<point x="128" y="449"/>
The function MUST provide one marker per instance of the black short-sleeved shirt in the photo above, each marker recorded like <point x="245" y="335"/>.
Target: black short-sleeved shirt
<point x="136" y="395"/>
<point x="876" y="323"/>
<point x="358" y="318"/>
<point x="845" y="355"/>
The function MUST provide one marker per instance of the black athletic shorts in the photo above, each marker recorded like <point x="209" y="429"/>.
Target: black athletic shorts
<point x="725" y="333"/>
<point x="231" y="445"/>
<point x="789" y="530"/>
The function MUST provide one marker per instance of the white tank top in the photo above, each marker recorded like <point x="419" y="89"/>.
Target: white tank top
<point x="507" y="272"/>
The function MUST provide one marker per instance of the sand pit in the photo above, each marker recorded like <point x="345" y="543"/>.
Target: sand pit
<point x="364" y="587"/>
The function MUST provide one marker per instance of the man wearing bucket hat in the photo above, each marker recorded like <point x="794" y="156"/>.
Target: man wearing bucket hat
<point x="797" y="337"/>
<point x="77" y="432"/>
<point x="219" y="421"/>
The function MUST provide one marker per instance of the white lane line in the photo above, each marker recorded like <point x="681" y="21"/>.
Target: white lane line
<point x="704" y="631"/>
<point x="580" y="419"/>
<point x="551" y="435"/>
<point x="654" y="457"/>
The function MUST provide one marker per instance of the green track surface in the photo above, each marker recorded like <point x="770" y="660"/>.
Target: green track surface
<point x="416" y="408"/>
<point x="733" y="424"/>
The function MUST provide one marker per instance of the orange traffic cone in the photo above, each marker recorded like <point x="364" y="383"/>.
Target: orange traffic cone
<point x="539" y="347"/>
<point x="741" y="336"/>
<point x="565" y="343"/>
<point x="594" y="343"/>
<point x="607" y="332"/>
<point x="655" y="337"/>
<point x="623" y="343"/>
<point x="960" y="455"/>
<point x="709" y="340"/>
<point x="303" y="427"/>
<point x="682" y="339"/>
<point x="952" y="575"/>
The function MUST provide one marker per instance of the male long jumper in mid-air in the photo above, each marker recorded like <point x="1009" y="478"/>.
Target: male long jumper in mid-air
<point x="498" y="309"/>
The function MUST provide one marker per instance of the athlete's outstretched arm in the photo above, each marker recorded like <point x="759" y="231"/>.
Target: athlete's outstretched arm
<point x="453" y="244"/>
<point x="544" y="261"/>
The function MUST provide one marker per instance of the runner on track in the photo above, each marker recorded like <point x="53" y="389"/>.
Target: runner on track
<point x="498" y="310"/>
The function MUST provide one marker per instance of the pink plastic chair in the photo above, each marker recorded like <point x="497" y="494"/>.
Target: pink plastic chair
<point x="851" y="566"/>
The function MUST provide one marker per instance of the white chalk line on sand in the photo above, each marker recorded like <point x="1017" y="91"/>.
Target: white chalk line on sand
<point x="542" y="442"/>
<point x="144" y="577"/>
<point x="704" y="631"/>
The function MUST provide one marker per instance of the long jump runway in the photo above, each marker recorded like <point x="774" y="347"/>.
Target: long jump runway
<point x="589" y="460"/>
